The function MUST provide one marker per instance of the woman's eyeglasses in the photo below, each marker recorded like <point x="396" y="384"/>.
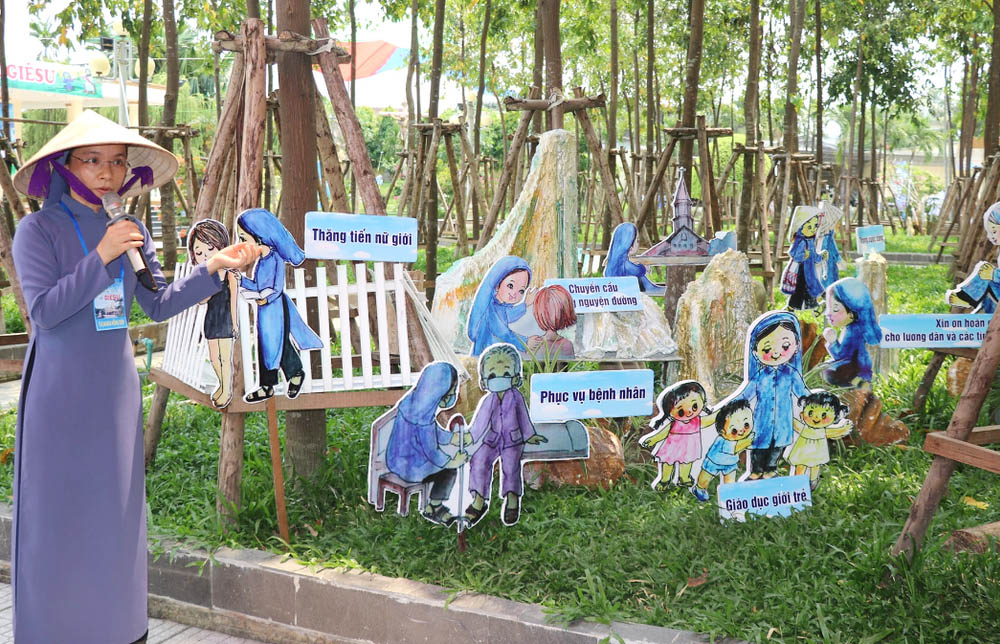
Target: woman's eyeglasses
<point x="93" y="163"/>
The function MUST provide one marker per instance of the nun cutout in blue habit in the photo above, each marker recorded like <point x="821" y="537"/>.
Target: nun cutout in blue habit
<point x="619" y="265"/>
<point x="829" y="244"/>
<point x="976" y="291"/>
<point x="490" y="319"/>
<point x="278" y="320"/>
<point x="851" y="360"/>
<point x="771" y="390"/>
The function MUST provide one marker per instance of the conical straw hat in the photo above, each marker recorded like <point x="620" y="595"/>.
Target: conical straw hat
<point x="90" y="128"/>
<point x="801" y="215"/>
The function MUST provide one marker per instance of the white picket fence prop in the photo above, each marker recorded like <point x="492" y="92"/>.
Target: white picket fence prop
<point x="340" y="304"/>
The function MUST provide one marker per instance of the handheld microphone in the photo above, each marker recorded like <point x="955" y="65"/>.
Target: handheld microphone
<point x="114" y="209"/>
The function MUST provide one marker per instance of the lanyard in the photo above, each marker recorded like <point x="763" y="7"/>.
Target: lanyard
<point x="79" y="235"/>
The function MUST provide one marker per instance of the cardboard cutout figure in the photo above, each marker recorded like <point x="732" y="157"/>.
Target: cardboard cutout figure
<point x="501" y="428"/>
<point x="554" y="312"/>
<point x="206" y="238"/>
<point x="675" y="438"/>
<point x="502" y="298"/>
<point x="734" y="422"/>
<point x="821" y="416"/>
<point x="278" y="321"/>
<point x="853" y="325"/>
<point x="827" y="241"/>
<point x="800" y="280"/>
<point x="981" y="289"/>
<point x="412" y="451"/>
<point x="624" y="242"/>
<point x="772" y="383"/>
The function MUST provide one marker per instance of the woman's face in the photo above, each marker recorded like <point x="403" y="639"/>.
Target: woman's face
<point x="244" y="235"/>
<point x="200" y="251"/>
<point x="837" y="314"/>
<point x="777" y="347"/>
<point x="993" y="232"/>
<point x="512" y="287"/>
<point x="810" y="227"/>
<point x="101" y="168"/>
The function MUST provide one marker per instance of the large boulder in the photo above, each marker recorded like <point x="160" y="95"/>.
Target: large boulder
<point x="713" y="316"/>
<point x="958" y="375"/>
<point x="542" y="228"/>
<point x="605" y="465"/>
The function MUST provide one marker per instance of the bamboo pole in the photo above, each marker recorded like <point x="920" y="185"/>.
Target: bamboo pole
<point x="462" y="242"/>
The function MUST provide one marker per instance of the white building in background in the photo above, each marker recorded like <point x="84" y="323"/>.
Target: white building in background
<point x="38" y="85"/>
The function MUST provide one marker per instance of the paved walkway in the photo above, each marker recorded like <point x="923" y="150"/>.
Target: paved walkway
<point x="160" y="631"/>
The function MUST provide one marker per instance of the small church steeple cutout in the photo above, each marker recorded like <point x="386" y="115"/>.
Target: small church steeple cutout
<point x="683" y="241"/>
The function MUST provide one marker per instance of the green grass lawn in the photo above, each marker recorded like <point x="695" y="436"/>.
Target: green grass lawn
<point x="629" y="553"/>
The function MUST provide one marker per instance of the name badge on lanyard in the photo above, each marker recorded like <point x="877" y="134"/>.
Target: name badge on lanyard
<point x="109" y="305"/>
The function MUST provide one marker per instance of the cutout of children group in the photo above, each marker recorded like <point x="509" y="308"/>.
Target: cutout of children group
<point x="772" y="414"/>
<point x="281" y="331"/>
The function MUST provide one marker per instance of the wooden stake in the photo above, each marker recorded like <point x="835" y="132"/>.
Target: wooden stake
<point x="279" y="477"/>
<point x="216" y="166"/>
<point x="599" y="157"/>
<point x="456" y="185"/>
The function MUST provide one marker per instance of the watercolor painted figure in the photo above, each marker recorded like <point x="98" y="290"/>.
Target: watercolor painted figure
<point x="772" y="382"/>
<point x="827" y="241"/>
<point x="823" y="416"/>
<point x="278" y="321"/>
<point x="417" y="447"/>
<point x="206" y="238"/>
<point x="806" y="260"/>
<point x="853" y="325"/>
<point x="734" y="422"/>
<point x="624" y="242"/>
<point x="553" y="310"/>
<point x="503" y="297"/>
<point x="980" y="291"/>
<point x="500" y="428"/>
<point x="676" y="436"/>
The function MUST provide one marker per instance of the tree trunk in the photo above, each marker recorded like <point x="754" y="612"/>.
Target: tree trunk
<point x="612" y="124"/>
<point x="949" y="174"/>
<point x="650" y="109"/>
<point x="147" y="22"/>
<point x="849" y="152"/>
<point x="481" y="88"/>
<point x="692" y="71"/>
<point x="819" y="89"/>
<point x="354" y="72"/>
<point x="751" y="109"/>
<point x="861" y="157"/>
<point x="769" y="76"/>
<point x="538" y="73"/>
<point x="992" y="128"/>
<point x="553" y="56"/>
<point x="305" y="431"/>
<point x="430" y="238"/>
<point x="790" y="138"/>
<point x="167" y="214"/>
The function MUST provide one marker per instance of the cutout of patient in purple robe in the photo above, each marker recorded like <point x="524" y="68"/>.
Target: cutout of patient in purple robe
<point x="503" y="297"/>
<point x="206" y="238"/>
<point x="417" y="448"/>
<point x="279" y="324"/>
<point x="554" y="312"/>
<point x="801" y="280"/>
<point x="624" y="242"/>
<point x="853" y="324"/>
<point x="980" y="291"/>
<point x="501" y="428"/>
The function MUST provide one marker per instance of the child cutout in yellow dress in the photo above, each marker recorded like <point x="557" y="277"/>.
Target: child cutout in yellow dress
<point x="822" y="417"/>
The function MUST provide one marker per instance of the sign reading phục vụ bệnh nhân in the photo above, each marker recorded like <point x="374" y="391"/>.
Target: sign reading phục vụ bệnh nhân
<point x="372" y="238"/>
<point x="557" y="397"/>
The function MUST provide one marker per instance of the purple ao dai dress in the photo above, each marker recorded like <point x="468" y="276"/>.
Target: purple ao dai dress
<point x="79" y="531"/>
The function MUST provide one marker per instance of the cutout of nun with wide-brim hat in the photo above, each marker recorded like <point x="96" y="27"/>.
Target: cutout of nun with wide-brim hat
<point x="150" y="166"/>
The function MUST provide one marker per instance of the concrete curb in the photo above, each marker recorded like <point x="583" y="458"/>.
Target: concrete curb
<point x="263" y="596"/>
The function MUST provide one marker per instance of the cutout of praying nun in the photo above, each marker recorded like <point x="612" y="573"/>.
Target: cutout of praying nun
<point x="623" y="243"/>
<point x="772" y="382"/>
<point x="415" y="451"/>
<point x="503" y="297"/>
<point x="853" y="325"/>
<point x="501" y="428"/>
<point x="981" y="289"/>
<point x="278" y="321"/>
<point x="801" y="281"/>
<point x="207" y="237"/>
